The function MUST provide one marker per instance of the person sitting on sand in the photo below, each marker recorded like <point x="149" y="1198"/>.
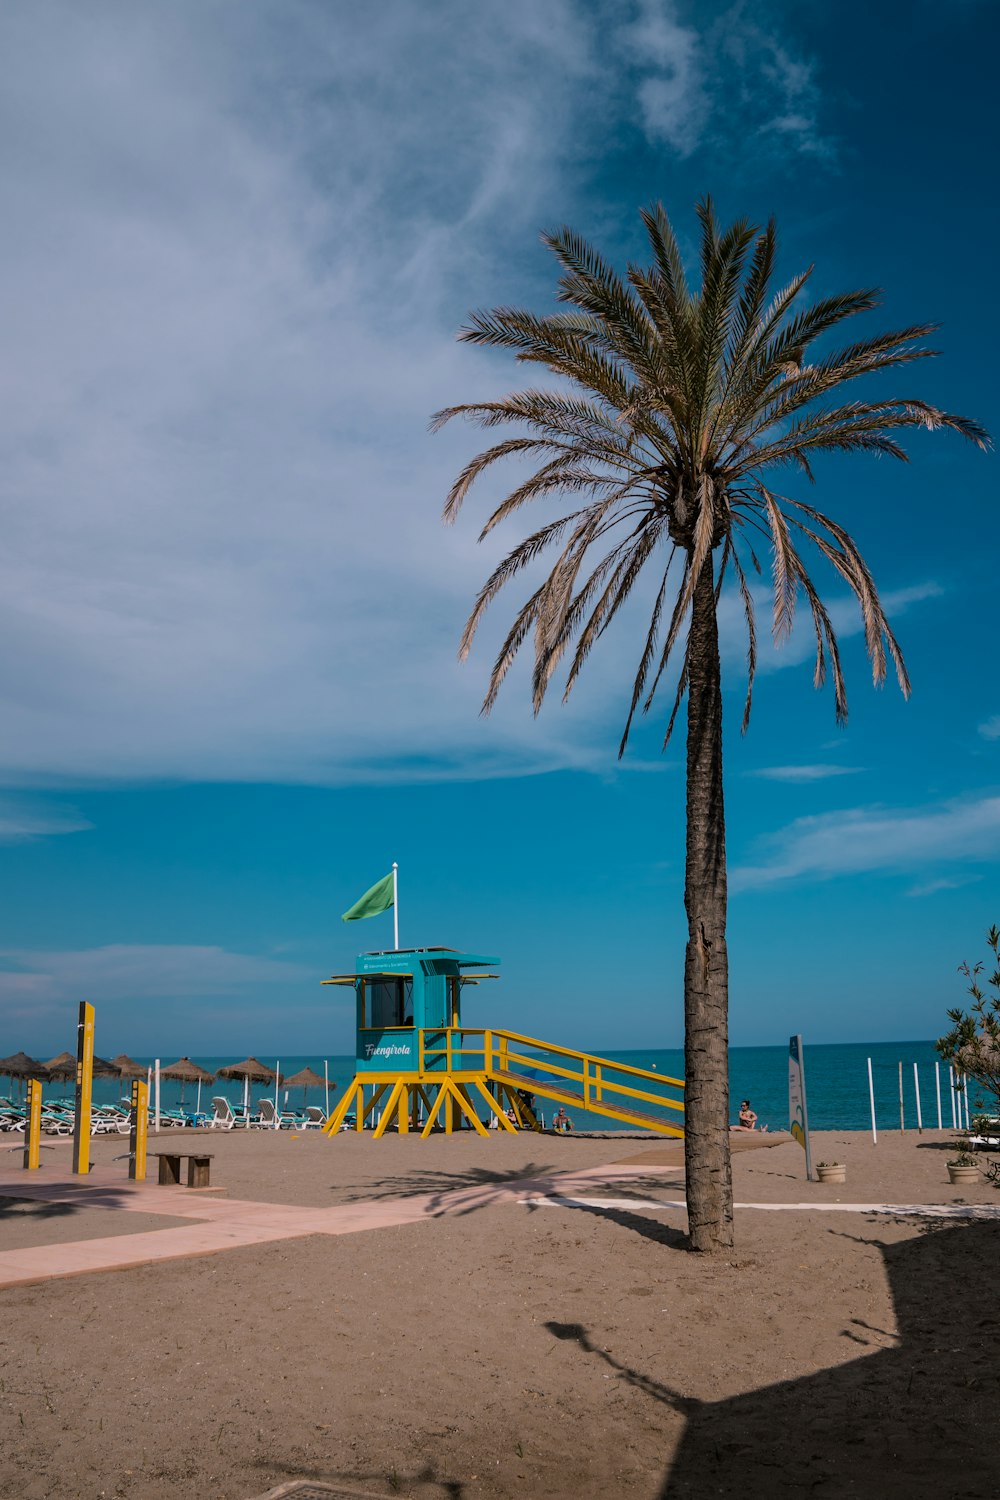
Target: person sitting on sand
<point x="561" y="1120"/>
<point x="748" y="1119"/>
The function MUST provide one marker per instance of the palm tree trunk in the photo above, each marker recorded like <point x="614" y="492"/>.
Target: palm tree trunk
<point x="706" y="963"/>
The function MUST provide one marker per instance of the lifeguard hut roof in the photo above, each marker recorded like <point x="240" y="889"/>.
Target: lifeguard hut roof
<point x="447" y="955"/>
<point x="391" y="963"/>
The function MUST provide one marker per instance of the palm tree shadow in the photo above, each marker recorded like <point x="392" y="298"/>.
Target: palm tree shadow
<point x="895" y="1421"/>
<point x="484" y="1186"/>
<point x="27" y="1206"/>
<point x="12" y="1207"/>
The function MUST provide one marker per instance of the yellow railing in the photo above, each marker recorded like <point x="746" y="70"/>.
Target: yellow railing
<point x="500" y="1053"/>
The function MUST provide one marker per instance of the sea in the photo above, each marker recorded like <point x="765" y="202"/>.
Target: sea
<point x="836" y="1084"/>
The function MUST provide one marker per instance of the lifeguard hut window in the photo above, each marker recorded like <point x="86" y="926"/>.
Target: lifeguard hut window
<point x="387" y="1002"/>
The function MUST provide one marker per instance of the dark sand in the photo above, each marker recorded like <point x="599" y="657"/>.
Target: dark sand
<point x="521" y="1352"/>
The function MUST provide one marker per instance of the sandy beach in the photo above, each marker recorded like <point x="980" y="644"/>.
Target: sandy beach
<point x="487" y="1341"/>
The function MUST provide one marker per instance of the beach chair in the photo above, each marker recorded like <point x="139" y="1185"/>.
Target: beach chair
<point x="315" y="1118"/>
<point x="228" y="1116"/>
<point x="222" y="1117"/>
<point x="270" y="1118"/>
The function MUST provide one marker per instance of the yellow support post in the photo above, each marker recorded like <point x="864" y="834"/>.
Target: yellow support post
<point x="372" y="1105"/>
<point x="495" y="1107"/>
<point x="335" y="1121"/>
<point x="467" y="1107"/>
<point x="432" y="1113"/>
<point x="84" y="1088"/>
<point x="137" y="1135"/>
<point x="33" y="1125"/>
<point x="398" y="1089"/>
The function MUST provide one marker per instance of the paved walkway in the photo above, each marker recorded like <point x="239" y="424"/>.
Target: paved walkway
<point x="218" y="1224"/>
<point x="899" y="1210"/>
<point x="227" y="1224"/>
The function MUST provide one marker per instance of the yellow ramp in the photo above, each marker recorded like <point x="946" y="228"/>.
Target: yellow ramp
<point x="580" y="1080"/>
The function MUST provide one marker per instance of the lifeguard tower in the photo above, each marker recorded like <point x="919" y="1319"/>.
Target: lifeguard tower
<point x="438" y="1074"/>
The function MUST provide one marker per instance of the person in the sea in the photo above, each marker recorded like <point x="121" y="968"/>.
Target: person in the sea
<point x="561" y="1120"/>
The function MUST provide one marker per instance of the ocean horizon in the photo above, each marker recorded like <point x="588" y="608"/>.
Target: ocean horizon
<point x="836" y="1082"/>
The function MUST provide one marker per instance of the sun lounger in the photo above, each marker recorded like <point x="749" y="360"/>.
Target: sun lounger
<point x="315" y="1118"/>
<point x="228" y="1116"/>
<point x="270" y="1118"/>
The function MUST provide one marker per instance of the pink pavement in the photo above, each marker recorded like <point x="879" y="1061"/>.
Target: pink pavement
<point x="219" y="1224"/>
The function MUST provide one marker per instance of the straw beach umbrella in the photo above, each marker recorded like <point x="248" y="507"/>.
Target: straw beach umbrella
<point x="251" y="1071"/>
<point x="128" y="1067"/>
<point x="21" y="1066"/>
<point x="61" y="1068"/>
<point x="305" y="1079"/>
<point x="188" y="1072"/>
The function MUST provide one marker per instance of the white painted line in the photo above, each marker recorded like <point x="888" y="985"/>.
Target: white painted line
<point x="907" y="1210"/>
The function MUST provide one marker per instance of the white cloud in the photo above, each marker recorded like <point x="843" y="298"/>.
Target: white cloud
<point x="147" y="996"/>
<point x="932" y="887"/>
<point x="22" y="819"/>
<point x="733" y="79"/>
<point x="803" y="773"/>
<point x="874" y="838"/>
<point x="122" y="971"/>
<point x="237" y="242"/>
<point x="990" y="730"/>
<point x="672" y="92"/>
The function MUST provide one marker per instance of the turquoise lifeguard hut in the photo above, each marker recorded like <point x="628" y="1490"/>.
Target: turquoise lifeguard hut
<point x="411" y="1046"/>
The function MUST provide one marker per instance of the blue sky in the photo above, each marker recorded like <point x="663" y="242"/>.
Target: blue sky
<point x="238" y="243"/>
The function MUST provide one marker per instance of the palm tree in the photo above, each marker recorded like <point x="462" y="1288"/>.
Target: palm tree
<point x="673" y="409"/>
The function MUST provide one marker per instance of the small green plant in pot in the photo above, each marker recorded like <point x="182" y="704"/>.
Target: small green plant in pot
<point x="832" y="1171"/>
<point x="963" y="1169"/>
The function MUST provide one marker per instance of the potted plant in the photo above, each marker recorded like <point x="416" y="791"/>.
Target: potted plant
<point x="832" y="1171"/>
<point x="963" y="1170"/>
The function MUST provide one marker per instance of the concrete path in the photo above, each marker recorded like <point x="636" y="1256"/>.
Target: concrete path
<point x="227" y="1224"/>
<point x="217" y="1224"/>
<point x="899" y="1210"/>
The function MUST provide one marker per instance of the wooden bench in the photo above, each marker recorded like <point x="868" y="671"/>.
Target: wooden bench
<point x="198" y="1168"/>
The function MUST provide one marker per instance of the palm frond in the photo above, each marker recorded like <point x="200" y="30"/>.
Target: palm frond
<point x="676" y="408"/>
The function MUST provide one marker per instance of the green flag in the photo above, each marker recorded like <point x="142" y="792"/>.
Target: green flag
<point x="379" y="898"/>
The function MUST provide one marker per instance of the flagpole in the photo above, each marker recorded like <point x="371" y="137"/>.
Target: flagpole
<point x="395" y="905"/>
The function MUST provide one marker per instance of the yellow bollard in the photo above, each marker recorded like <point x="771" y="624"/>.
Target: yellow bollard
<point x="137" y="1135"/>
<point x="33" y="1125"/>
<point x="84" y="1088"/>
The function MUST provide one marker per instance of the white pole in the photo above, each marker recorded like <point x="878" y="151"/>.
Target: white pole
<point x="277" y="1076"/>
<point x="937" y="1085"/>
<point x="871" y="1096"/>
<point x="156" y="1111"/>
<point x="395" y="905"/>
<point x="197" y="1108"/>
<point x="965" y="1092"/>
<point x="246" y="1095"/>
<point x="916" y="1090"/>
<point x="326" y="1083"/>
